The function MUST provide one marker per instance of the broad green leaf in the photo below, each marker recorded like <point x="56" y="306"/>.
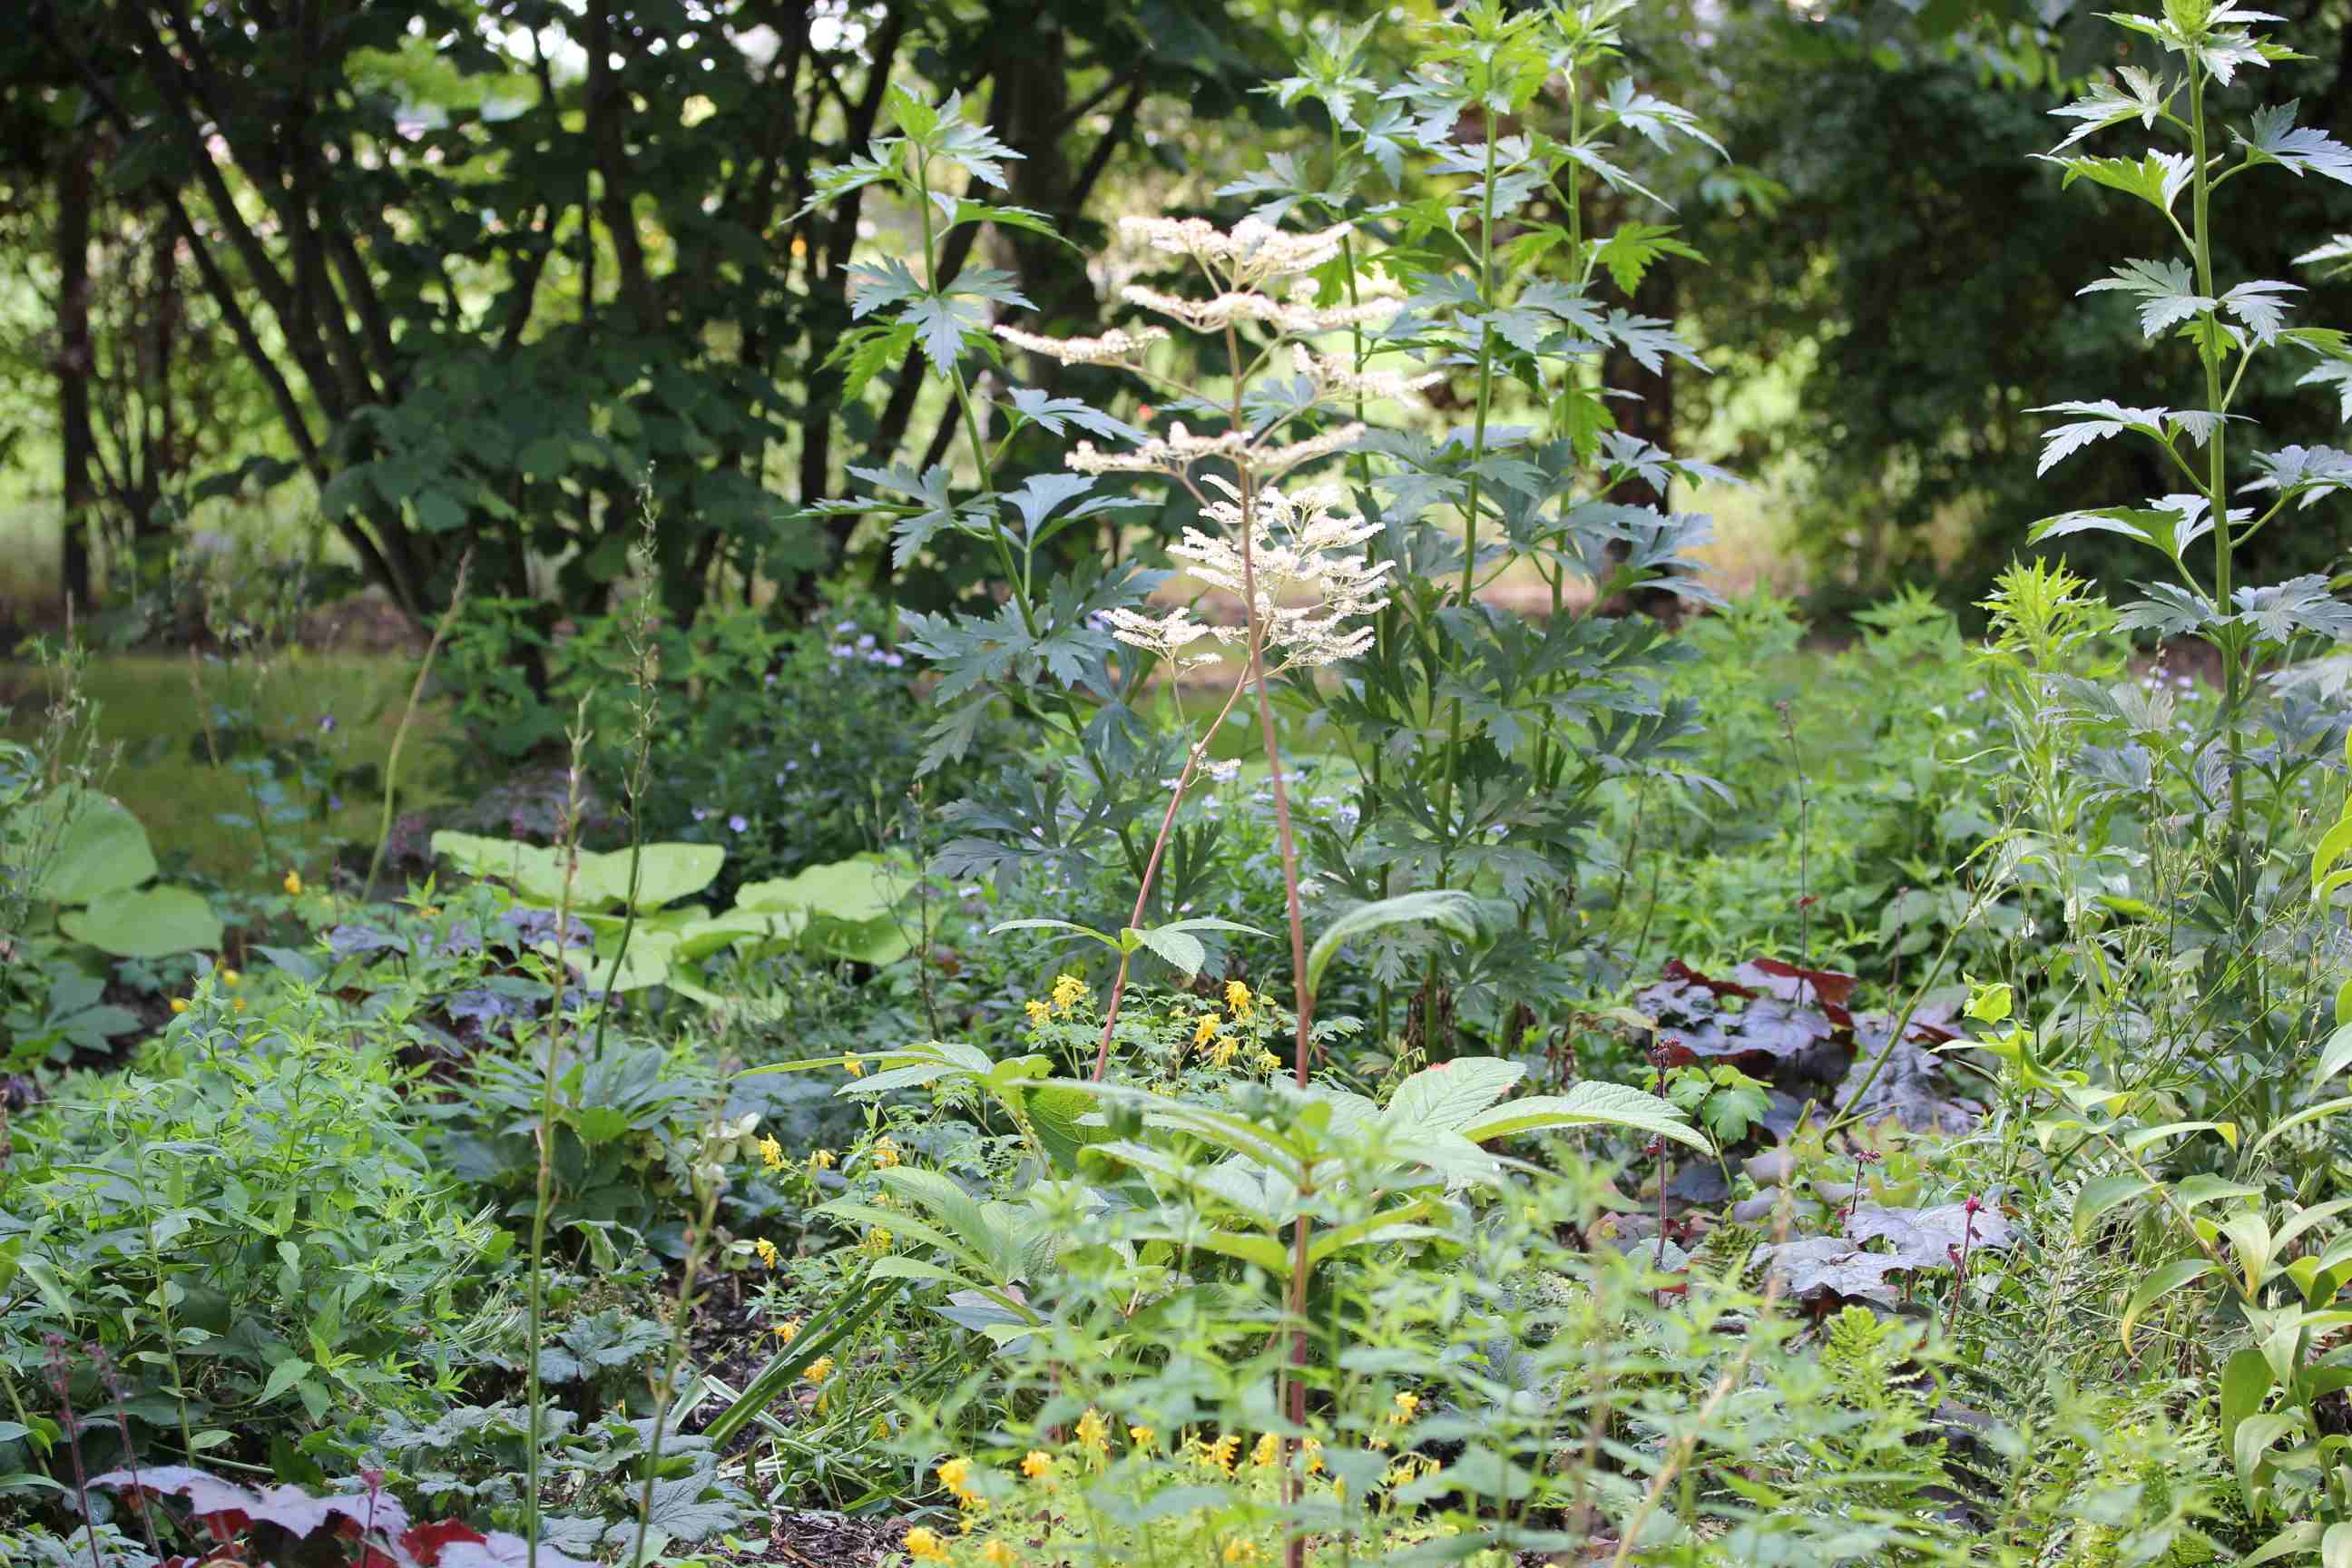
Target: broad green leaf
<point x="1179" y="948"/>
<point x="1448" y="1097"/>
<point x="145" y="922"/>
<point x="103" y="849"/>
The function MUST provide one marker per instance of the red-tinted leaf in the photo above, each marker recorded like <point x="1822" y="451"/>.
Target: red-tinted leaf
<point x="1825" y="988"/>
<point x="1927" y="1238"/>
<point x="1826" y="1268"/>
<point x="1677" y="970"/>
<point x="499" y="1549"/>
<point x="424" y="1541"/>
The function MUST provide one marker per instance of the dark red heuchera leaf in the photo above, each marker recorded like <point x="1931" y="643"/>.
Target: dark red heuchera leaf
<point x="1822" y="988"/>
<point x="1825" y="1270"/>
<point x="1927" y="1238"/>
<point x="1768" y="1035"/>
<point x="424" y="1541"/>
<point x="227" y="1510"/>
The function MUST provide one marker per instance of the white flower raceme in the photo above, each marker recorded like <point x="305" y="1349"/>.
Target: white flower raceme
<point x="1169" y="635"/>
<point x="1249" y="253"/>
<point x="1334" y="376"/>
<point x="1310" y="574"/>
<point x="1173" y="452"/>
<point x="1119" y="346"/>
<point x="1294" y="318"/>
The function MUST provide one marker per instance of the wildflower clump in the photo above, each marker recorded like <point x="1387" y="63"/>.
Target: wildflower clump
<point x="924" y="1545"/>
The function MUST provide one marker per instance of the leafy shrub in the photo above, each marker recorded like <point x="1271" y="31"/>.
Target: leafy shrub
<point x="176" y="1214"/>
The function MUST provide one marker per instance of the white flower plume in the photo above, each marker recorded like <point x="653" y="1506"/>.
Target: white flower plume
<point x="1249" y="253"/>
<point x="1310" y="572"/>
<point x="1335" y="377"/>
<point x="1119" y="346"/>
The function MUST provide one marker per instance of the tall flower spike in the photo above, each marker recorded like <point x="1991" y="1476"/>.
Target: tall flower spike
<point x="1335" y="377"/>
<point x="1117" y="347"/>
<point x="1312" y="576"/>
<point x="1248" y="254"/>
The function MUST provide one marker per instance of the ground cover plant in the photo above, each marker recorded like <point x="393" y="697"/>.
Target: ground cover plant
<point x="1213" y="1033"/>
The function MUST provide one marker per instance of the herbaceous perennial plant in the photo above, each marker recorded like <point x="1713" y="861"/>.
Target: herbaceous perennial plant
<point x="1361" y="554"/>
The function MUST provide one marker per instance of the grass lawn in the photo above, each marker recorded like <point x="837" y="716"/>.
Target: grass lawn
<point x="148" y="711"/>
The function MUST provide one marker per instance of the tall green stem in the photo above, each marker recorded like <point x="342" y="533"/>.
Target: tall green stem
<point x="2216" y="493"/>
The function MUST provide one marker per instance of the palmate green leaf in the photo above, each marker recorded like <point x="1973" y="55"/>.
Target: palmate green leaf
<point x="1446" y="908"/>
<point x="1629" y="253"/>
<point x="2304" y="604"/>
<point x="2107" y="417"/>
<point x="2271" y="137"/>
<point x="1057" y="415"/>
<point x="2137" y="95"/>
<point x="1615" y="178"/>
<point x="2167" y="293"/>
<point x="831" y="182"/>
<point x="2303" y="474"/>
<point x="2336" y="256"/>
<point x="1654" y="118"/>
<point x="2257" y="305"/>
<point x="875" y="284"/>
<point x="2157" y="178"/>
<point x="1023" y="219"/>
<point x="2171" y="524"/>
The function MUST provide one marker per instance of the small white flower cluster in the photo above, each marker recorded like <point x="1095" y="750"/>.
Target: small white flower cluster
<point x="1290" y="318"/>
<point x="1117" y="347"/>
<point x="1311" y="578"/>
<point x="1335" y="377"/>
<point x="1175" y="453"/>
<point x="1248" y="254"/>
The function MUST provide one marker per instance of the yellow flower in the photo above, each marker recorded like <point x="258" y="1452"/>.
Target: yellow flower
<point x="1069" y="992"/>
<point x="230" y="977"/>
<point x="1313" y="1450"/>
<point x="239" y="1003"/>
<point x="293" y="883"/>
<point x="818" y="1370"/>
<point x="788" y="1331"/>
<point x="1204" y="1029"/>
<point x="877" y="1240"/>
<point x="1269" y="1062"/>
<point x="1267" y="1451"/>
<point x="1093" y="1432"/>
<point x="956" y="1475"/>
<point x="1240" y="1551"/>
<point x="996" y="1554"/>
<point x="1237" y="998"/>
<point x="767" y="1252"/>
<point x="880" y="1430"/>
<point x="1140" y="1437"/>
<point x="822" y="1160"/>
<point x="1224" y="1051"/>
<point x="924" y="1545"/>
<point x="1037" y="1009"/>
<point x="886" y="1153"/>
<point x="1037" y="1464"/>
<point x="851" y="1065"/>
<point x="179" y="1004"/>
<point x="1406" y="1404"/>
<point x="1219" y="1454"/>
<point x="771" y="1154"/>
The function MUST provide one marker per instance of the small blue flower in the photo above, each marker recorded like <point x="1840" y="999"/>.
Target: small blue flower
<point x="326" y="724"/>
<point x="736" y="824"/>
<point x="699" y="814"/>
